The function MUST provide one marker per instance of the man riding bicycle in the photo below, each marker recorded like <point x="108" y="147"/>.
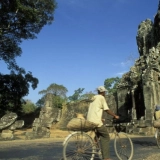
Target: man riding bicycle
<point x="96" y="108"/>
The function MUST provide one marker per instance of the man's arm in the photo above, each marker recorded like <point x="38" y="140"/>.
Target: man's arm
<point x="112" y="114"/>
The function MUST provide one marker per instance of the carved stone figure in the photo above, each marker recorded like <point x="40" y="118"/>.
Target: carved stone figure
<point x="144" y="36"/>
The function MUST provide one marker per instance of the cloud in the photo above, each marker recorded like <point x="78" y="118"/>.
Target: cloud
<point x="126" y="63"/>
<point x="123" y="68"/>
<point x="121" y="73"/>
<point x="123" y="64"/>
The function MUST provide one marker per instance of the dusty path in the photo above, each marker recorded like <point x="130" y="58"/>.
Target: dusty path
<point x="54" y="133"/>
<point x="145" y="148"/>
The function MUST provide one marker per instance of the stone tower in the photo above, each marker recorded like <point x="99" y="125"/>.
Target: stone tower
<point x="139" y="89"/>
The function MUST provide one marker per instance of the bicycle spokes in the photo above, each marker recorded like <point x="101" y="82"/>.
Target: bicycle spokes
<point x="123" y="147"/>
<point x="80" y="147"/>
<point x="158" y="137"/>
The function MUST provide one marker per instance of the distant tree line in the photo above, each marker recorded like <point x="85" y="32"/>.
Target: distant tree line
<point x="59" y="92"/>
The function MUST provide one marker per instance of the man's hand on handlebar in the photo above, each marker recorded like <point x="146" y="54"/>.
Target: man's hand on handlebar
<point x="116" y="117"/>
<point x="112" y="114"/>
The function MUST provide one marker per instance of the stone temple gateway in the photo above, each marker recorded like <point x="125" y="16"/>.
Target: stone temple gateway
<point x="139" y="89"/>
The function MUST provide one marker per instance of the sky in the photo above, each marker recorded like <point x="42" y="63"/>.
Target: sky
<point x="88" y="42"/>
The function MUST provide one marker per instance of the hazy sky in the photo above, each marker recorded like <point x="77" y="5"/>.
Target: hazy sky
<point x="88" y="42"/>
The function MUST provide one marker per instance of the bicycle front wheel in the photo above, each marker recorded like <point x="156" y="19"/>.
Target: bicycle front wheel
<point x="157" y="135"/>
<point x="123" y="146"/>
<point x="79" y="146"/>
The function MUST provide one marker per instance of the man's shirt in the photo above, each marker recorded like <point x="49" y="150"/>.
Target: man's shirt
<point x="96" y="109"/>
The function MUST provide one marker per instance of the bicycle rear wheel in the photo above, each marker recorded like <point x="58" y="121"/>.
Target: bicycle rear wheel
<point x="123" y="146"/>
<point x="79" y="146"/>
<point x="158" y="137"/>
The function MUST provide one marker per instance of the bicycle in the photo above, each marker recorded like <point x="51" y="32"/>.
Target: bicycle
<point x="156" y="125"/>
<point x="157" y="137"/>
<point x="84" y="145"/>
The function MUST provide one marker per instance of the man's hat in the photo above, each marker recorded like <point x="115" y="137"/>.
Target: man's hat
<point x="101" y="89"/>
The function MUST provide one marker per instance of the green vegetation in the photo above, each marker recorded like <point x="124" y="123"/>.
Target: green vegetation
<point x="19" y="20"/>
<point x="77" y="95"/>
<point x="13" y="88"/>
<point x="28" y="107"/>
<point x="54" y="93"/>
<point x="111" y="84"/>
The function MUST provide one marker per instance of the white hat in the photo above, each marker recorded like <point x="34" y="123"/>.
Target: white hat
<point x="101" y="89"/>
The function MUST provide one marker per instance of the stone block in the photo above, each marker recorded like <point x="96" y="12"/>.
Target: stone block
<point x="141" y="123"/>
<point x="149" y="111"/>
<point x="146" y="131"/>
<point x="135" y="122"/>
<point x="129" y="129"/>
<point x="37" y="120"/>
<point x="148" y="115"/>
<point x="151" y="117"/>
<point x="7" y="134"/>
<point x="149" y="123"/>
<point x="136" y="130"/>
<point x="17" y="124"/>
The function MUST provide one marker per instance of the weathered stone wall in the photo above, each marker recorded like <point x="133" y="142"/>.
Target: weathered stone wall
<point x="70" y="109"/>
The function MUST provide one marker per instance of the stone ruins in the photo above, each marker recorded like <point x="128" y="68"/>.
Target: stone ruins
<point x="41" y="126"/>
<point x="8" y="123"/>
<point x="139" y="90"/>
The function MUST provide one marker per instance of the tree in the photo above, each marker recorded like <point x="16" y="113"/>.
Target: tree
<point x="111" y="84"/>
<point x="57" y="93"/>
<point x="87" y="95"/>
<point x="58" y="101"/>
<point x="13" y="88"/>
<point x="40" y="103"/>
<point x="20" y="20"/>
<point x="28" y="107"/>
<point x="77" y="94"/>
<point x="56" y="90"/>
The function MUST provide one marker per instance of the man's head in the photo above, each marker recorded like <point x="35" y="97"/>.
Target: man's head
<point x="101" y="90"/>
